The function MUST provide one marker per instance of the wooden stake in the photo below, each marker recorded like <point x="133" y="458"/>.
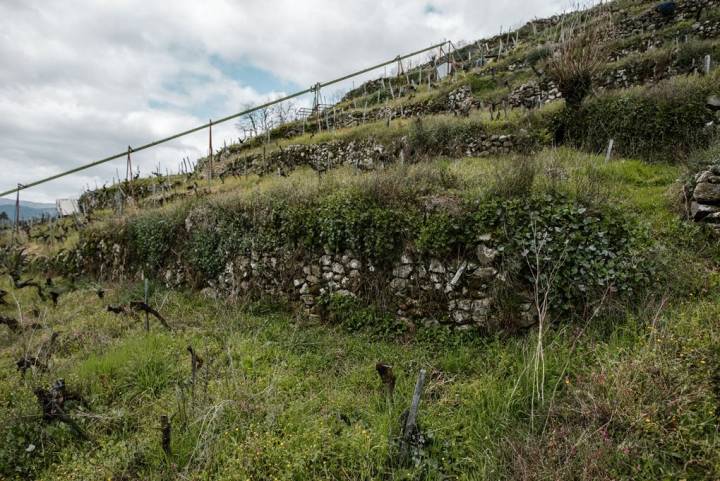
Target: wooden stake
<point x="410" y="427"/>
<point x="708" y="63"/>
<point x="147" y="318"/>
<point x="17" y="210"/>
<point x="196" y="363"/>
<point x="608" y="153"/>
<point x="166" y="433"/>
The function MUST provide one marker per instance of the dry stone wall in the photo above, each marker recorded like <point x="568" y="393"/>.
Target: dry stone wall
<point x="704" y="195"/>
<point x="367" y="154"/>
<point x="419" y="290"/>
<point x="534" y="94"/>
<point x="652" y="20"/>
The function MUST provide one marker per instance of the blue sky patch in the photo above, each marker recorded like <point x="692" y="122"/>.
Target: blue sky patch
<point x="245" y="74"/>
<point x="260" y="80"/>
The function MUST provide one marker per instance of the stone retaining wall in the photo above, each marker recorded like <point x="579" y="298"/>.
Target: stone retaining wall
<point x="367" y="154"/>
<point x="419" y="290"/>
<point x="704" y="197"/>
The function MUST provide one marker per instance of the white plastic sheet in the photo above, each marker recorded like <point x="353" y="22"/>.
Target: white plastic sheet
<point x="67" y="207"/>
<point x="443" y="70"/>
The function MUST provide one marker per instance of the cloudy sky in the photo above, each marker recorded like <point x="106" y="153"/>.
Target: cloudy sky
<point x="83" y="79"/>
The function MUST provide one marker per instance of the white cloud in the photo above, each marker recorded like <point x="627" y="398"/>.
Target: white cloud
<point x="83" y="79"/>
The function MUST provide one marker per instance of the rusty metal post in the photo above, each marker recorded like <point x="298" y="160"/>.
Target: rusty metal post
<point x="128" y="167"/>
<point x="17" y="211"/>
<point x="211" y="150"/>
<point x="316" y="106"/>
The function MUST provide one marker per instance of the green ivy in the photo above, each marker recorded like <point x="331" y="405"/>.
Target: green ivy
<point x="442" y="234"/>
<point x="579" y="251"/>
<point x="351" y="220"/>
<point x="152" y="237"/>
<point x="203" y="251"/>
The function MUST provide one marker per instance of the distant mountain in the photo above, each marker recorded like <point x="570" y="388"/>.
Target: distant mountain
<point x="28" y="210"/>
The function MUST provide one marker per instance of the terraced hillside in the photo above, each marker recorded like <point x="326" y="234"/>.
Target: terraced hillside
<point x="271" y="322"/>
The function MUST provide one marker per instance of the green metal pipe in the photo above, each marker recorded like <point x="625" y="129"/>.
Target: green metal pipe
<point x="215" y="122"/>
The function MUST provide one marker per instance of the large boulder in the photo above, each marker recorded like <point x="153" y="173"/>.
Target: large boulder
<point x="699" y="212"/>
<point x="713" y="103"/>
<point x="704" y="203"/>
<point x="708" y="192"/>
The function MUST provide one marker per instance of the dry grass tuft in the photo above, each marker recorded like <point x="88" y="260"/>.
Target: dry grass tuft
<point x="580" y="56"/>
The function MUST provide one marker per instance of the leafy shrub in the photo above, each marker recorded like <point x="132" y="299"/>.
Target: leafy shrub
<point x="350" y="220"/>
<point x="480" y="84"/>
<point x="229" y="230"/>
<point x="152" y="236"/>
<point x="442" y="234"/>
<point x="580" y="251"/>
<point x="656" y="123"/>
<point x="203" y="251"/>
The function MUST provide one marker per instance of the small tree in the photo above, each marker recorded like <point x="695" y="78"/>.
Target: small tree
<point x="284" y="112"/>
<point x="579" y="58"/>
<point x="249" y="124"/>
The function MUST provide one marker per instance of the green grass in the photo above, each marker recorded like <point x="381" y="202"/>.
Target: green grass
<point x="630" y="393"/>
<point x="280" y="398"/>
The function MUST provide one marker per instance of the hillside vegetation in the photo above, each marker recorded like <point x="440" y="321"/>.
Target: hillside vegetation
<point x="271" y="323"/>
<point x="629" y="390"/>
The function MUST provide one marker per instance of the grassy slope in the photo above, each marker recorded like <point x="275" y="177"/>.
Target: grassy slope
<point x="278" y="398"/>
<point x="281" y="399"/>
